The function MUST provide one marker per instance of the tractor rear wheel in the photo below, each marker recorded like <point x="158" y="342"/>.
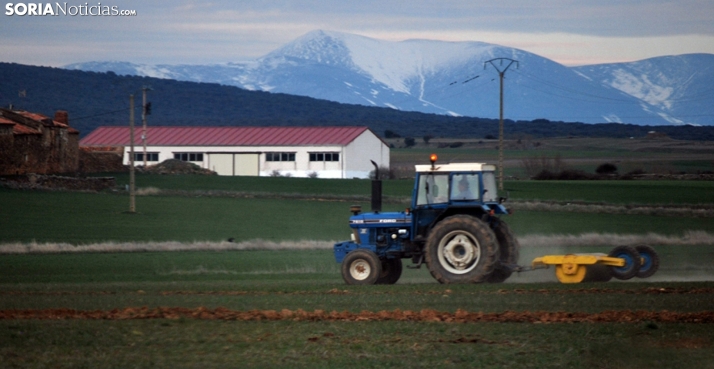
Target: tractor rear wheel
<point x="391" y="271"/>
<point x="361" y="267"/>
<point x="650" y="261"/>
<point x="461" y="249"/>
<point x="632" y="262"/>
<point x="508" y="250"/>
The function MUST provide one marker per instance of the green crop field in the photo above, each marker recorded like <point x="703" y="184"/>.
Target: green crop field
<point x="662" y="156"/>
<point x="290" y="308"/>
<point x="618" y="192"/>
<point x="246" y="308"/>
<point x="197" y="215"/>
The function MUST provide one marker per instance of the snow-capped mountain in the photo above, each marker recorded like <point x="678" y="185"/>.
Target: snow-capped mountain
<point x="681" y="86"/>
<point x="454" y="78"/>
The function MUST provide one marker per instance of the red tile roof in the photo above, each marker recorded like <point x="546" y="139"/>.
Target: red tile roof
<point x="19" y="129"/>
<point x="46" y="120"/>
<point x="4" y="120"/>
<point x="225" y="136"/>
<point x="43" y="119"/>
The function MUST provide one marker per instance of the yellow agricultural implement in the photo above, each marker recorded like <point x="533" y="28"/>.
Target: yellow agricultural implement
<point x="623" y="262"/>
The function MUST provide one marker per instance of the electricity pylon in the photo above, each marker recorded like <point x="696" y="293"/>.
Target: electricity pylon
<point x="501" y="72"/>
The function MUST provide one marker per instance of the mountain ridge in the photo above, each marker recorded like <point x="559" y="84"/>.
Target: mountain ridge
<point x="419" y="75"/>
<point x="96" y="99"/>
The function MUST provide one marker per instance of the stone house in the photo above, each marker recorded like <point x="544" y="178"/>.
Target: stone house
<point x="35" y="143"/>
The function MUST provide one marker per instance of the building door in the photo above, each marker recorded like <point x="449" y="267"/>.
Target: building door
<point x="234" y="164"/>
<point x="246" y="164"/>
<point x="221" y="164"/>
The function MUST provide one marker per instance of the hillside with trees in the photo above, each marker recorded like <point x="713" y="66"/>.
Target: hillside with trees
<point x="102" y="99"/>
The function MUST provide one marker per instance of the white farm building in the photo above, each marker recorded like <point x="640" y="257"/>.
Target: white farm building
<point x="327" y="152"/>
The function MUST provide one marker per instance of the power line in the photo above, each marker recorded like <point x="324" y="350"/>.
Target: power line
<point x="101" y="114"/>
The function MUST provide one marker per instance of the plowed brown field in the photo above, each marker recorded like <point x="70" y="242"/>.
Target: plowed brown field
<point x="460" y="316"/>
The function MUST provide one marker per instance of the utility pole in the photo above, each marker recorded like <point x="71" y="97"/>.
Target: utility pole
<point x="132" y="195"/>
<point x="146" y="110"/>
<point x="501" y="72"/>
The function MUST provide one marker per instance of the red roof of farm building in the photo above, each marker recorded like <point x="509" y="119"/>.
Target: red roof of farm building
<point x="225" y="136"/>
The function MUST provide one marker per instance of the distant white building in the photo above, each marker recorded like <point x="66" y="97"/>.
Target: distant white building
<point x="328" y="152"/>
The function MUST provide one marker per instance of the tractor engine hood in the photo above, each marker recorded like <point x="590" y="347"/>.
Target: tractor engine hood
<point x="379" y="220"/>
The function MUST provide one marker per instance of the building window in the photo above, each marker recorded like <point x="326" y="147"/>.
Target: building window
<point x="150" y="156"/>
<point x="279" y="156"/>
<point x="324" y="156"/>
<point x="188" y="156"/>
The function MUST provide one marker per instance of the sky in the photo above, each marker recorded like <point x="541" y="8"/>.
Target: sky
<point x="571" y="32"/>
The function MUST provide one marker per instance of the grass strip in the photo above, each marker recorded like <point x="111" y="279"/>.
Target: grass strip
<point x="335" y="291"/>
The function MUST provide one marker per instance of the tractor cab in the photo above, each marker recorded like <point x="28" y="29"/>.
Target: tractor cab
<point x="448" y="189"/>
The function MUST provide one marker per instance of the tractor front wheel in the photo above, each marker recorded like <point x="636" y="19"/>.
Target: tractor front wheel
<point x="461" y="249"/>
<point x="361" y="267"/>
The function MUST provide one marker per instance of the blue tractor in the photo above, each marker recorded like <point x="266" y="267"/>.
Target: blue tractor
<point x="453" y="225"/>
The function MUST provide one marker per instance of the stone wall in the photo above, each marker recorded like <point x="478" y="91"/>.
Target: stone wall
<point x="101" y="160"/>
<point x="53" y="182"/>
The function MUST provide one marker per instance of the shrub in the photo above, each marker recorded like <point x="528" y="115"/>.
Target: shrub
<point x="536" y="165"/>
<point x="574" y="175"/>
<point x="391" y="134"/>
<point x="565" y="175"/>
<point x="606" y="168"/>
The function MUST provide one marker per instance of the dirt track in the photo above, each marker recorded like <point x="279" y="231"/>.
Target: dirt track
<point x="460" y="316"/>
<point x="426" y="315"/>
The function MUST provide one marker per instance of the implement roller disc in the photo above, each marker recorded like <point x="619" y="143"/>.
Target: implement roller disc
<point x="597" y="273"/>
<point x="570" y="272"/>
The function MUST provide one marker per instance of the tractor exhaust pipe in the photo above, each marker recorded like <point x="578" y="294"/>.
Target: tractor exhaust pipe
<point x="376" y="190"/>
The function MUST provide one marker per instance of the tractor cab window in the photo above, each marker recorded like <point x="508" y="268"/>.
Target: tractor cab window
<point x="489" y="187"/>
<point x="465" y="187"/>
<point x="433" y="189"/>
